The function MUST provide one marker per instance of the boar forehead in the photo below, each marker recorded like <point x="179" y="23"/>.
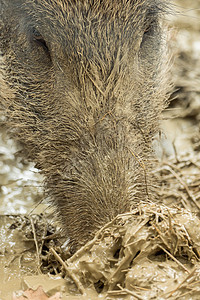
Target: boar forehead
<point x="90" y="28"/>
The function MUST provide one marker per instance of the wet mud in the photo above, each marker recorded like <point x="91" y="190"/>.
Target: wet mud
<point x="153" y="252"/>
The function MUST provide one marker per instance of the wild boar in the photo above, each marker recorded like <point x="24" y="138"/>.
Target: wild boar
<point x="83" y="85"/>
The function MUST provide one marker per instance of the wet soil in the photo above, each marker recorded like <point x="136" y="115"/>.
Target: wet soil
<point x="152" y="252"/>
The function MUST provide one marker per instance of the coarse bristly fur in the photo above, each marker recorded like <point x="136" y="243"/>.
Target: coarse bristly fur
<point x="83" y="84"/>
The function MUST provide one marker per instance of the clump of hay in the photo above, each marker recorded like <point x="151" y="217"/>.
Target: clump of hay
<point x="152" y="251"/>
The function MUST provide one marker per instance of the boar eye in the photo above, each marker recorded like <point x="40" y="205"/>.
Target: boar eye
<point x="149" y="31"/>
<point x="38" y="38"/>
<point x="149" y="27"/>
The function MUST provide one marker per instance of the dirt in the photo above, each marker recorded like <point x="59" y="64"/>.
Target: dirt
<point x="153" y="252"/>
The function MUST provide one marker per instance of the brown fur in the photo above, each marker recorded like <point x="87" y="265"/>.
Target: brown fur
<point x="83" y="84"/>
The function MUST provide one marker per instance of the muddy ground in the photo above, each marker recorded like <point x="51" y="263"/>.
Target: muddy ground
<point x="152" y="252"/>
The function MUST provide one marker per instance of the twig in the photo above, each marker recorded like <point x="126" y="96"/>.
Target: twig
<point x="69" y="272"/>
<point x="190" y="275"/>
<point x="176" y="260"/>
<point x="175" y="151"/>
<point x="185" y="294"/>
<point x="139" y="288"/>
<point x="130" y="292"/>
<point x="36" y="244"/>
<point x="184" y="184"/>
<point x="161" y="236"/>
